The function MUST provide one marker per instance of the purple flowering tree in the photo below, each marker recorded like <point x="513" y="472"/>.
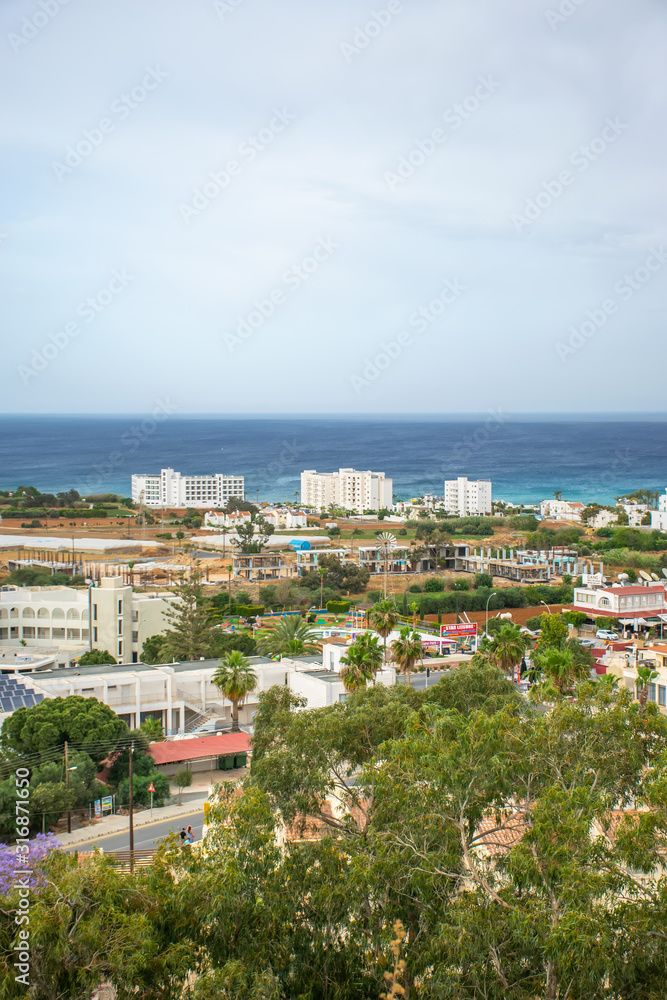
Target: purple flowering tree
<point x="12" y="863"/>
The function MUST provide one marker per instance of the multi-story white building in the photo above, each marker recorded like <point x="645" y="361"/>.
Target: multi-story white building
<point x="347" y="488"/>
<point x="171" y="489"/>
<point x="464" y="496"/>
<point x="45" y="617"/>
<point x="284" y="517"/>
<point x="659" y="516"/>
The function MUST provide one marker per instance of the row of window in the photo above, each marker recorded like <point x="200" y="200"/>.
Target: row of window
<point x="662" y="694"/>
<point x="72" y="613"/>
<point x="30" y="632"/>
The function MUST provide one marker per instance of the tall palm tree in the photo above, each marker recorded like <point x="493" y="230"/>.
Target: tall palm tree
<point x="645" y="676"/>
<point x="507" y="649"/>
<point x="361" y="663"/>
<point x="289" y="636"/>
<point x="236" y="679"/>
<point x="383" y="619"/>
<point x="406" y="650"/>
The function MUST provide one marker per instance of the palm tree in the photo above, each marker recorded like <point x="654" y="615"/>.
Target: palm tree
<point x="406" y="650"/>
<point x="560" y="670"/>
<point x="288" y="637"/>
<point x="507" y="649"/>
<point x="235" y="678"/>
<point x="153" y="730"/>
<point x="361" y="663"/>
<point x="645" y="676"/>
<point x="383" y="619"/>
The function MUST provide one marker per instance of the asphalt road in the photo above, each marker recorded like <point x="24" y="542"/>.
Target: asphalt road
<point x="419" y="680"/>
<point x="145" y="837"/>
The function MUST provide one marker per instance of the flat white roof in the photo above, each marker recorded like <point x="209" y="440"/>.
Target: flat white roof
<point x="79" y="544"/>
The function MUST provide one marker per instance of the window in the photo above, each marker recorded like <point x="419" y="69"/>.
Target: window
<point x="651" y="692"/>
<point x="73" y="633"/>
<point x="120" y="627"/>
<point x="58" y="633"/>
<point x="94" y="612"/>
<point x="135" y="637"/>
<point x="28" y="632"/>
<point x="95" y="633"/>
<point x="120" y="607"/>
<point x="42" y="633"/>
<point x="120" y="653"/>
<point x="87" y="690"/>
<point x="662" y="695"/>
<point x="4" y="632"/>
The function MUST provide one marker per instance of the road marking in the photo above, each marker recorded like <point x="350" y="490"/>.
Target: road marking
<point x="119" y="833"/>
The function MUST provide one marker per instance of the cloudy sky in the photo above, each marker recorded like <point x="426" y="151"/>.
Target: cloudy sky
<point x="309" y="206"/>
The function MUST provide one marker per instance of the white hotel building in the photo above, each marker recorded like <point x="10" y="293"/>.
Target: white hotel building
<point x="44" y="618"/>
<point x="347" y="488"/>
<point x="171" y="489"/>
<point x="464" y="496"/>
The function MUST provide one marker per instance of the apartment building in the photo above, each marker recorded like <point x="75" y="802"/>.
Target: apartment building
<point x="44" y="617"/>
<point x="347" y="488"/>
<point x="465" y="497"/>
<point x="171" y="489"/>
<point x="284" y="517"/>
<point x="659" y="516"/>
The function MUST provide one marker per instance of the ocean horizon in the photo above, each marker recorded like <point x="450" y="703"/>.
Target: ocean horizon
<point x="589" y="457"/>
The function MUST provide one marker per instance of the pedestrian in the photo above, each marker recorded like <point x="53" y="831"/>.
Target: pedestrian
<point x="190" y="835"/>
<point x="183" y="835"/>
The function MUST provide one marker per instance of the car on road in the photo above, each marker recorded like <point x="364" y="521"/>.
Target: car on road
<point x="588" y="643"/>
<point x="603" y="633"/>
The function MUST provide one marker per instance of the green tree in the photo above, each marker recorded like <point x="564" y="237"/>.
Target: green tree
<point x="182" y="779"/>
<point x="557" y="671"/>
<point x="289" y="636"/>
<point x="85" y="722"/>
<point x="151" y="651"/>
<point x="94" y="657"/>
<point x="236" y="679"/>
<point x="250" y="540"/>
<point x="554" y="632"/>
<point x="383" y="619"/>
<point x="189" y="635"/>
<point x="152" y="727"/>
<point x="406" y="650"/>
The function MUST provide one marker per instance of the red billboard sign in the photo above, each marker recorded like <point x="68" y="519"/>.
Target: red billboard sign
<point x="461" y="628"/>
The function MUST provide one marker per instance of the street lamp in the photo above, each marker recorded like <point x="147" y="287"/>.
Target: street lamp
<point x="486" y="620"/>
<point x="91" y="584"/>
<point x="546" y="606"/>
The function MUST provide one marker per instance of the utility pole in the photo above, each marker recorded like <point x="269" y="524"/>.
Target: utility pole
<point x="131" y="806"/>
<point x="69" y="811"/>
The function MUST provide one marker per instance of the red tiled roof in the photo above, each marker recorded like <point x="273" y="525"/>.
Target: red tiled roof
<point x="197" y="747"/>
<point x="624" y="591"/>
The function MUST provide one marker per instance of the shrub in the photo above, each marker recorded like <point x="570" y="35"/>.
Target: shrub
<point x="534" y="623"/>
<point x="434" y="585"/>
<point x="607" y="623"/>
<point x="460" y="584"/>
<point x="414" y="589"/>
<point x="338" y="607"/>
<point x="247" y="610"/>
<point x="483" y="580"/>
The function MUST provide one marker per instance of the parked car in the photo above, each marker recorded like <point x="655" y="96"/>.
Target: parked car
<point x="588" y="643"/>
<point x="603" y="633"/>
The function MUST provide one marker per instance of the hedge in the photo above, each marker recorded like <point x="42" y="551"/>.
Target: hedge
<point x="338" y="607"/>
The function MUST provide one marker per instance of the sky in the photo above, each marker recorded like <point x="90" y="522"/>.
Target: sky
<point x="413" y="206"/>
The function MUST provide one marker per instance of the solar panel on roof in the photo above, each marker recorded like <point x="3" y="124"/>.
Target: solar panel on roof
<point x="38" y="697"/>
<point x="6" y="705"/>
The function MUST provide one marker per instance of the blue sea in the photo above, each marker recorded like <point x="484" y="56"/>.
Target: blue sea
<point x="527" y="459"/>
